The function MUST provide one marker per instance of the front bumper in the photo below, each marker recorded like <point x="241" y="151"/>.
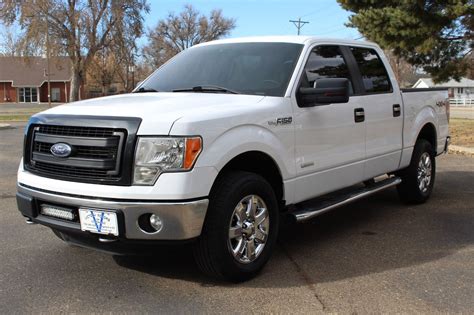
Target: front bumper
<point x="181" y="220"/>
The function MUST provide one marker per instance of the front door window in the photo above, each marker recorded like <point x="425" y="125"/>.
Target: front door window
<point x="28" y="95"/>
<point x="55" y="95"/>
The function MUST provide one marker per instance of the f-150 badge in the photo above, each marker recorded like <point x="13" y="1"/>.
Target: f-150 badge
<point x="281" y="121"/>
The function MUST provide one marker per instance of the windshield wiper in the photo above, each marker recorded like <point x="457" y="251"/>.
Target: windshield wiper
<point x="206" y="88"/>
<point x="145" y="90"/>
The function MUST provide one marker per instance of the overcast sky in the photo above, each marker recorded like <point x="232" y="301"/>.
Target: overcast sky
<point x="267" y="17"/>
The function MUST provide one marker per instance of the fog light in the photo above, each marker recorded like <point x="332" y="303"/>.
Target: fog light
<point x="156" y="222"/>
<point x="58" y="212"/>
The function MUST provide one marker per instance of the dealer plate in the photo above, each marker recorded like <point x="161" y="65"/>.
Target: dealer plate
<point x="98" y="221"/>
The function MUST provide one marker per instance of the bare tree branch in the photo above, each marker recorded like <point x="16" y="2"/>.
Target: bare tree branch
<point x="179" y="32"/>
<point x="77" y="28"/>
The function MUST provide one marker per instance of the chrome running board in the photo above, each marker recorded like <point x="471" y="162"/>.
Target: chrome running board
<point x="308" y="210"/>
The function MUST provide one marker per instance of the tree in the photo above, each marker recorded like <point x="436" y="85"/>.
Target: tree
<point x="10" y="44"/>
<point x="102" y="71"/>
<point x="405" y="73"/>
<point x="433" y="34"/>
<point x="77" y="28"/>
<point x="188" y="28"/>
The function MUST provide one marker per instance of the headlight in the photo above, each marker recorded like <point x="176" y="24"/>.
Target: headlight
<point x="158" y="155"/>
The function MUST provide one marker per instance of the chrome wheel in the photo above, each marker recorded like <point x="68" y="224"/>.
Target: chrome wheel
<point x="424" y="172"/>
<point x="248" y="229"/>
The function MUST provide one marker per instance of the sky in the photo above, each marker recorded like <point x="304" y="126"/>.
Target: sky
<point x="266" y="17"/>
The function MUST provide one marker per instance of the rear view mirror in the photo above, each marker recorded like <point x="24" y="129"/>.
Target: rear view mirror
<point x="324" y="92"/>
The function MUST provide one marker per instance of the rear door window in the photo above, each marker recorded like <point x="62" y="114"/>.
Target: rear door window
<point x="372" y="69"/>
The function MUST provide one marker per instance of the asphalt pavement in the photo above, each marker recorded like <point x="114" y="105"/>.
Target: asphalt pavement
<point x="375" y="255"/>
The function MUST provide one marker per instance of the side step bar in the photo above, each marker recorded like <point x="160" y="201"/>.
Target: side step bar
<point x="310" y="211"/>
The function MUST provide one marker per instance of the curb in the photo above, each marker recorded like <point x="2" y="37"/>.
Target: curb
<point x="456" y="149"/>
<point x="5" y="126"/>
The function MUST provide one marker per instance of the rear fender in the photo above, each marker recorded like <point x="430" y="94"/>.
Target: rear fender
<point x="413" y="125"/>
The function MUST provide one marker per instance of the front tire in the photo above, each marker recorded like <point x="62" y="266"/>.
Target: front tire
<point x="241" y="227"/>
<point x="419" y="177"/>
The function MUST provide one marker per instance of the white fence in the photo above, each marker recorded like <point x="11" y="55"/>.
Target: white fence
<point x="462" y="102"/>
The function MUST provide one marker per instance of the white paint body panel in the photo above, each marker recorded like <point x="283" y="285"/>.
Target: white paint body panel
<point x="423" y="108"/>
<point x="323" y="136"/>
<point x="343" y="153"/>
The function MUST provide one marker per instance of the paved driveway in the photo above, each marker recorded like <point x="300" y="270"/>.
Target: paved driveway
<point x="375" y="255"/>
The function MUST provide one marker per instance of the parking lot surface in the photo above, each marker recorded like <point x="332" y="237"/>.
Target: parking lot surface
<point x="375" y="255"/>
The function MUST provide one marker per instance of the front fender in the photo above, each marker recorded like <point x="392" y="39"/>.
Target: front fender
<point x="245" y="138"/>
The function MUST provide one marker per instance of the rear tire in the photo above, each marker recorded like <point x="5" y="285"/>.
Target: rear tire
<point x="240" y="229"/>
<point x="419" y="177"/>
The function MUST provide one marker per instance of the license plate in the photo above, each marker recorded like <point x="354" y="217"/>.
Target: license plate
<point x="98" y="221"/>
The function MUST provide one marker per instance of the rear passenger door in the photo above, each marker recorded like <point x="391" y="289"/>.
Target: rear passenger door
<point x="383" y="108"/>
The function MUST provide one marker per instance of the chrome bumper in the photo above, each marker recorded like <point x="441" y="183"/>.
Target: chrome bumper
<point x="181" y="220"/>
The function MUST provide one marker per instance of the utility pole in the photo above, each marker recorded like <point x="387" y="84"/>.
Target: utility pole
<point x="299" y="24"/>
<point x="47" y="61"/>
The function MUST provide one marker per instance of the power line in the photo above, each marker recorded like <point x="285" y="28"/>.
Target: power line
<point x="319" y="11"/>
<point x="299" y="24"/>
<point x="333" y="30"/>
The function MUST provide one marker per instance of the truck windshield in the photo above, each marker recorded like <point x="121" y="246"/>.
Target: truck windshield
<point x="244" y="68"/>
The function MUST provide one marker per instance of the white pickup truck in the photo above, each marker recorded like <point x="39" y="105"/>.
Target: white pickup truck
<point x="223" y="139"/>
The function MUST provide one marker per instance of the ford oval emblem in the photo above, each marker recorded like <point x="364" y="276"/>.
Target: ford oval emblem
<point x="61" y="149"/>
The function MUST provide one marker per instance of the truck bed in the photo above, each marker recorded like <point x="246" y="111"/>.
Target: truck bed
<point x="427" y="104"/>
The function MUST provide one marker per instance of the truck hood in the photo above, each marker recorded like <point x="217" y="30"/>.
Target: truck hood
<point x="158" y="111"/>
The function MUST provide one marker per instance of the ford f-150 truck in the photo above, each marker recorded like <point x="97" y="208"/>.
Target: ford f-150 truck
<point x="226" y="139"/>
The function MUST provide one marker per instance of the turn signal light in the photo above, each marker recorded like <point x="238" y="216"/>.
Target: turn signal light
<point x="193" y="148"/>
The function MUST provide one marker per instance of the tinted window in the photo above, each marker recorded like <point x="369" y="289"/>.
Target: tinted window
<point x="248" y="68"/>
<point x="374" y="74"/>
<point x="325" y="62"/>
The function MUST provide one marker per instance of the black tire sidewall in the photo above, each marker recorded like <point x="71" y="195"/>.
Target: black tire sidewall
<point x="409" y="190"/>
<point x="222" y="205"/>
<point x="425" y="146"/>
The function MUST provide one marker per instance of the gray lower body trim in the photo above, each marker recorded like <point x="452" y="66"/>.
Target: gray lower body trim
<point x="181" y="220"/>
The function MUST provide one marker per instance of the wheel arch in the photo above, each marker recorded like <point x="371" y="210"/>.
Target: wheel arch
<point x="260" y="163"/>
<point x="428" y="133"/>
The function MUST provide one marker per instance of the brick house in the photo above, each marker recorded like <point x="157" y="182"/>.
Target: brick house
<point x="24" y="80"/>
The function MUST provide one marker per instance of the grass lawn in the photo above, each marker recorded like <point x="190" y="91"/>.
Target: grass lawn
<point x="14" y="117"/>
<point x="462" y="132"/>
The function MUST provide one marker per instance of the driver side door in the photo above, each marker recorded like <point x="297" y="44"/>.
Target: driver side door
<point x="329" y="143"/>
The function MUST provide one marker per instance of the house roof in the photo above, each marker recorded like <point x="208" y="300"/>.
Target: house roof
<point x="30" y="71"/>
<point x="464" y="82"/>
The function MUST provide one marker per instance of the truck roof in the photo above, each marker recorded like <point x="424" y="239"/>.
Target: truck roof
<point x="288" y="39"/>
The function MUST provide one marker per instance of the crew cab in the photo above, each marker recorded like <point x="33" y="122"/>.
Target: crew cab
<point x="226" y="139"/>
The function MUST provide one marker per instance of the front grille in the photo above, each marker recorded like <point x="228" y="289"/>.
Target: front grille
<point x="75" y="171"/>
<point x="74" y="131"/>
<point x="87" y="152"/>
<point x="95" y="155"/>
